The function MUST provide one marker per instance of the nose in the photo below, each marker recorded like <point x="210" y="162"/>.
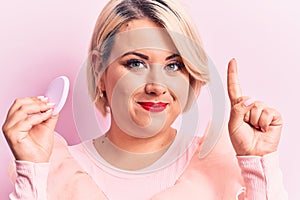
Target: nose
<point x="155" y="79"/>
<point x="155" y="89"/>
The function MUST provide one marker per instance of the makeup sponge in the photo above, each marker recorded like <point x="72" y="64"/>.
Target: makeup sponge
<point x="57" y="92"/>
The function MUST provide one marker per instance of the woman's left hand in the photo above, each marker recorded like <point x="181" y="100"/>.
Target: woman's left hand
<point x="254" y="128"/>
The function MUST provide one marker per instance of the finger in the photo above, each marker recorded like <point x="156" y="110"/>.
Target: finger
<point x="247" y="101"/>
<point x="38" y="118"/>
<point x="255" y="114"/>
<point x="277" y="119"/>
<point x="28" y="109"/>
<point x="247" y="117"/>
<point x="51" y="121"/>
<point x="269" y="117"/>
<point x="266" y="119"/>
<point x="238" y="112"/>
<point x="243" y="106"/>
<point x="26" y="124"/>
<point x="19" y="102"/>
<point x="233" y="83"/>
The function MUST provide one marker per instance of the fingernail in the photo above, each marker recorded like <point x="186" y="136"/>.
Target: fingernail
<point x="263" y="130"/>
<point x="43" y="98"/>
<point x="49" y="111"/>
<point x="249" y="102"/>
<point x="50" y="104"/>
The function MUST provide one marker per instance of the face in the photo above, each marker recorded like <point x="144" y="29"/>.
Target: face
<point x="146" y="82"/>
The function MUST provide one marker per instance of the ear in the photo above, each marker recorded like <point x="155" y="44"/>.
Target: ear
<point x="101" y="82"/>
<point x="96" y="62"/>
<point x="99" y="75"/>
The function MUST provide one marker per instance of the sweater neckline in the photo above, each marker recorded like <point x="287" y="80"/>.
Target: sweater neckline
<point x="125" y="160"/>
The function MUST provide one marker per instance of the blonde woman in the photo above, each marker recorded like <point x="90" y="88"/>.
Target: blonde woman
<point x="146" y="66"/>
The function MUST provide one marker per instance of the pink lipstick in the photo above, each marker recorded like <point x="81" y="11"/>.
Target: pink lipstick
<point x="153" y="107"/>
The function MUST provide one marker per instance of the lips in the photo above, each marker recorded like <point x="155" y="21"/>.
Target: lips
<point x="154" y="107"/>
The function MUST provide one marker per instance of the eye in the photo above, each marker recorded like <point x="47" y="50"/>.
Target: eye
<point x="135" y="64"/>
<point x="174" y="66"/>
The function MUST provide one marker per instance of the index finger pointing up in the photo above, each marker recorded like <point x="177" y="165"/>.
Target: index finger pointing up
<point x="233" y="83"/>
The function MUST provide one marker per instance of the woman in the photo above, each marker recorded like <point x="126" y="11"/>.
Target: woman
<point x="143" y="73"/>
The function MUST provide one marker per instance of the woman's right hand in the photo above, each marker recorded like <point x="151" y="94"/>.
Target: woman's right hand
<point x="29" y="128"/>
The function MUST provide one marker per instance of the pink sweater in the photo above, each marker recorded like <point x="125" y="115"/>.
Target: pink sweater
<point x="73" y="174"/>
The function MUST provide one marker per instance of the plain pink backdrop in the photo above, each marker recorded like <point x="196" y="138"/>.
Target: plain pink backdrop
<point x="44" y="39"/>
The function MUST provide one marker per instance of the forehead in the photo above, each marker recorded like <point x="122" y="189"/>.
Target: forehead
<point x="141" y="34"/>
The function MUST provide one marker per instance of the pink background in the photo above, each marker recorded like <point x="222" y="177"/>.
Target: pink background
<point x="42" y="40"/>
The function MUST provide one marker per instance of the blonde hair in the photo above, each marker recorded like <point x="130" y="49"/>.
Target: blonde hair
<point x="166" y="13"/>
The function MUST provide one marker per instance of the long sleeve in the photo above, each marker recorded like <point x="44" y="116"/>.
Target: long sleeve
<point x="30" y="181"/>
<point x="262" y="177"/>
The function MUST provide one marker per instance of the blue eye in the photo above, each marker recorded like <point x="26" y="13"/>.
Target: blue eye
<point x="175" y="66"/>
<point x="135" y="64"/>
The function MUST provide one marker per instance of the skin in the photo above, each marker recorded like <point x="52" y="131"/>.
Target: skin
<point x="133" y="128"/>
<point x="254" y="128"/>
<point x="138" y="129"/>
<point x="29" y="128"/>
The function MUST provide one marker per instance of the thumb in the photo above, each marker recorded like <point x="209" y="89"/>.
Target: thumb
<point x="52" y="121"/>
<point x="238" y="112"/>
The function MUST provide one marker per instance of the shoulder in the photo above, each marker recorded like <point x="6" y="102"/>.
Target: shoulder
<point x="221" y="159"/>
<point x="218" y="171"/>
<point x="65" y="168"/>
<point x="216" y="176"/>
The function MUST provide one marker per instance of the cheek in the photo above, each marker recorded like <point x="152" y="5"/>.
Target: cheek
<point x="124" y="87"/>
<point x="112" y="83"/>
<point x="137" y="124"/>
<point x="179" y="88"/>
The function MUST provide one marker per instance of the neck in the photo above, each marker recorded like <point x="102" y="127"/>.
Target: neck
<point x="140" y="145"/>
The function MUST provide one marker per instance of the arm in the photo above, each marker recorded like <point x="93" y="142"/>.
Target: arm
<point x="61" y="178"/>
<point x="262" y="177"/>
<point x="28" y="129"/>
<point x="30" y="181"/>
<point x="255" y="130"/>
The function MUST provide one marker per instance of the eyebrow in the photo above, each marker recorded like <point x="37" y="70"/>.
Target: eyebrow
<point x="137" y="54"/>
<point x="173" y="56"/>
<point x="147" y="57"/>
